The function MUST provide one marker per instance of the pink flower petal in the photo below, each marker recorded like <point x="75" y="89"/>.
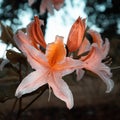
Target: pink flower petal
<point x="31" y="2"/>
<point x="46" y="5"/>
<point x="20" y="37"/>
<point x="80" y="73"/>
<point x="85" y="46"/>
<point x="105" y="74"/>
<point x="93" y="63"/>
<point x="96" y="38"/>
<point x="106" y="48"/>
<point x="35" y="58"/>
<point x="94" y="56"/>
<point x="69" y="65"/>
<point x="32" y="82"/>
<point x="61" y="90"/>
<point x="58" y="4"/>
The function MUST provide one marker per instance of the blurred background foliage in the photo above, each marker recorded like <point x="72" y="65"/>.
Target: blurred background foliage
<point x="105" y="14"/>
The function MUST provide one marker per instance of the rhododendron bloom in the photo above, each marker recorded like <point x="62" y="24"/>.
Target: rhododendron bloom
<point x="49" y="68"/>
<point x="48" y="5"/>
<point x="76" y="35"/>
<point x="104" y="46"/>
<point x="31" y="2"/>
<point x="93" y="60"/>
<point x="57" y="4"/>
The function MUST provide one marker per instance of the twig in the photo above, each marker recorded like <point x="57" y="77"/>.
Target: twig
<point x="34" y="99"/>
<point x="114" y="68"/>
<point x="14" y="104"/>
<point x="20" y="109"/>
<point x="20" y="100"/>
<point x="12" y="110"/>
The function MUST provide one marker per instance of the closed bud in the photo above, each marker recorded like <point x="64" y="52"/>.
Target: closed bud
<point x="76" y="35"/>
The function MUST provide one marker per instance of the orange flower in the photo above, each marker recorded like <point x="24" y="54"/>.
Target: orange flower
<point x="76" y="35"/>
<point x="49" y="68"/>
<point x="93" y="60"/>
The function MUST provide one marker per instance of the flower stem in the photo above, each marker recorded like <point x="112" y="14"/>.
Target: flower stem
<point x="45" y="87"/>
<point x="20" y="109"/>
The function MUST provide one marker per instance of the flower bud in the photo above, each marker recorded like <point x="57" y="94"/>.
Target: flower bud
<point x="76" y="35"/>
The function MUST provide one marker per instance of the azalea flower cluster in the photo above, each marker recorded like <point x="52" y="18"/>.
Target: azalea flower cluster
<point x="48" y="5"/>
<point x="57" y="59"/>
